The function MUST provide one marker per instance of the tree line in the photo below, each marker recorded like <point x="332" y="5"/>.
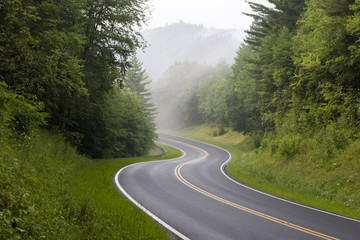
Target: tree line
<point x="295" y="78"/>
<point x="299" y="67"/>
<point x="63" y="65"/>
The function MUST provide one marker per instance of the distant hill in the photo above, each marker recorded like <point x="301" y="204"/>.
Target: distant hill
<point x="180" y="41"/>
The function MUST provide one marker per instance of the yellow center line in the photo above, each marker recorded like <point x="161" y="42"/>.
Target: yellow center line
<point x="235" y="205"/>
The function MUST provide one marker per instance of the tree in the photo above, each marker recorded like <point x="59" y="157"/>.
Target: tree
<point x="172" y="90"/>
<point x="69" y="55"/>
<point x="243" y="102"/>
<point x="41" y="43"/>
<point x="263" y="72"/>
<point x="136" y="80"/>
<point x="127" y="129"/>
<point x="212" y="95"/>
<point x="191" y="115"/>
<point x="19" y="112"/>
<point x="110" y="39"/>
<point x="327" y="74"/>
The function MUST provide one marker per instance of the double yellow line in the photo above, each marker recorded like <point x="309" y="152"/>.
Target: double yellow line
<point x="235" y="205"/>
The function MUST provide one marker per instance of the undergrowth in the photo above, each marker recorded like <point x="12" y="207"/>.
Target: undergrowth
<point x="35" y="178"/>
<point x="49" y="191"/>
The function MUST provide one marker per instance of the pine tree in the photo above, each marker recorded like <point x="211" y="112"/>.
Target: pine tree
<point x="136" y="80"/>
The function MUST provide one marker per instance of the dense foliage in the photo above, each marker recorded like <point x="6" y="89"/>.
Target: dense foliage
<point x="294" y="90"/>
<point x="67" y="59"/>
<point x="296" y="75"/>
<point x="299" y="79"/>
<point x="34" y="187"/>
<point x="49" y="191"/>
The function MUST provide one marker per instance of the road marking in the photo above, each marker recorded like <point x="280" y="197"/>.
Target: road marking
<point x="153" y="216"/>
<point x="222" y="169"/>
<point x="235" y="205"/>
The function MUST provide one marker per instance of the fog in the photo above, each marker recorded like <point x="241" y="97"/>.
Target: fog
<point x="178" y="58"/>
<point x="175" y="93"/>
<point x="180" y="41"/>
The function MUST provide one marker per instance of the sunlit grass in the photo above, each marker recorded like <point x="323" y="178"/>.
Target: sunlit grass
<point x="331" y="186"/>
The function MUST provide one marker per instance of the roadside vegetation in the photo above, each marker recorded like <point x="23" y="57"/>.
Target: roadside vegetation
<point x="331" y="186"/>
<point x="292" y="98"/>
<point x="66" y="68"/>
<point x="49" y="191"/>
<point x="107" y="212"/>
<point x="288" y="109"/>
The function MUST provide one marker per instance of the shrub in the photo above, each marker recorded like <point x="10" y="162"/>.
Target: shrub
<point x="289" y="146"/>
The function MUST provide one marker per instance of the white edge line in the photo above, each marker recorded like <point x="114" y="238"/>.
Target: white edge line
<point x="137" y="204"/>
<point x="223" y="166"/>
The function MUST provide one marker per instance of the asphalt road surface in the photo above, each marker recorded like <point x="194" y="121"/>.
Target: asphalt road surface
<point x="194" y="199"/>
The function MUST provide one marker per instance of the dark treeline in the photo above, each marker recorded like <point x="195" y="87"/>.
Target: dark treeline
<point x="295" y="80"/>
<point x="62" y="64"/>
<point x="68" y="73"/>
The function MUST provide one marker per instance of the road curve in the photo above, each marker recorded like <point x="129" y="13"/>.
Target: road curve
<point x="192" y="197"/>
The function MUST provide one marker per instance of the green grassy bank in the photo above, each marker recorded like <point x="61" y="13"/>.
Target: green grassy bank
<point x="332" y="185"/>
<point x="48" y="191"/>
<point x="94" y="191"/>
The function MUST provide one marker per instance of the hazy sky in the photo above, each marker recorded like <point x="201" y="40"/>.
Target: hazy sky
<point x="225" y="14"/>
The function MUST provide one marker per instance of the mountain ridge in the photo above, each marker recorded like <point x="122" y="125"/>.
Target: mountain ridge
<point x="182" y="41"/>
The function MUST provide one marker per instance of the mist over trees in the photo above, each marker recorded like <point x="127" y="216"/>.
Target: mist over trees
<point x="187" y="42"/>
<point x="173" y="88"/>
<point x="295" y="80"/>
<point x="182" y="97"/>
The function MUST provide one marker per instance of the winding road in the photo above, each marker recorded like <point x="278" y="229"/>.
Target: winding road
<point x="193" y="198"/>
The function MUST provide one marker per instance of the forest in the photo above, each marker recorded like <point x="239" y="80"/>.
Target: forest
<point x="69" y="69"/>
<point x="71" y="90"/>
<point x="293" y="91"/>
<point x="62" y="67"/>
<point x="296" y="77"/>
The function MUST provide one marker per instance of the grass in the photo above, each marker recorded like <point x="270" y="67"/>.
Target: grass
<point x="158" y="150"/>
<point x="35" y="173"/>
<point x="49" y="191"/>
<point x="95" y="191"/>
<point x="209" y="133"/>
<point x="333" y="185"/>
